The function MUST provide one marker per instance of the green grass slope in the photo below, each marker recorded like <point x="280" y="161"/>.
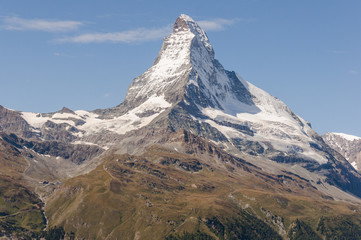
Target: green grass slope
<point x="20" y="209"/>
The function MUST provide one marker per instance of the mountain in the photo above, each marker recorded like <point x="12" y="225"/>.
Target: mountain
<point x="194" y="151"/>
<point x="347" y="145"/>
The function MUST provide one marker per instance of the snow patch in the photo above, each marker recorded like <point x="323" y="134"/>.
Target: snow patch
<point x="347" y="136"/>
<point x="65" y="116"/>
<point x="84" y="143"/>
<point x="36" y="120"/>
<point x="354" y="165"/>
<point x="229" y="132"/>
<point x="127" y="122"/>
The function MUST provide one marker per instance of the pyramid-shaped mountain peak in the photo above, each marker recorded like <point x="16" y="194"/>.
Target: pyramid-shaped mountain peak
<point x="181" y="24"/>
<point x="185" y="24"/>
<point x="185" y="51"/>
<point x="196" y="92"/>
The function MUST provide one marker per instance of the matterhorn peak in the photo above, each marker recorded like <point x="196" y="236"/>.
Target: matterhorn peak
<point x="186" y="70"/>
<point x="185" y="23"/>
<point x="181" y="24"/>
<point x="182" y="51"/>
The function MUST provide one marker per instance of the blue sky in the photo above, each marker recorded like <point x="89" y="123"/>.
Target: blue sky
<point x="84" y="54"/>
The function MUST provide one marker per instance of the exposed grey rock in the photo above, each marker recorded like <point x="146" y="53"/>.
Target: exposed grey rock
<point x="179" y="118"/>
<point x="12" y="122"/>
<point x="66" y="110"/>
<point x="60" y="132"/>
<point x="76" y="153"/>
<point x="348" y="148"/>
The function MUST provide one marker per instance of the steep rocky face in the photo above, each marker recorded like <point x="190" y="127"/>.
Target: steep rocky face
<point x="12" y="121"/>
<point x="185" y="70"/>
<point x="347" y="145"/>
<point x="77" y="153"/>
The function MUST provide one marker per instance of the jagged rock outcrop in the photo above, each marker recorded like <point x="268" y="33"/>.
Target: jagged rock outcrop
<point x="347" y="145"/>
<point x="13" y="122"/>
<point x="76" y="153"/>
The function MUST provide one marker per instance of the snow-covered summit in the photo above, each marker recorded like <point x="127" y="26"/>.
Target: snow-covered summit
<point x="186" y="23"/>
<point x="347" y="137"/>
<point x="180" y="58"/>
<point x="186" y="69"/>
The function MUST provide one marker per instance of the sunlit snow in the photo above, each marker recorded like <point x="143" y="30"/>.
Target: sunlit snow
<point x="347" y="136"/>
<point x="93" y="124"/>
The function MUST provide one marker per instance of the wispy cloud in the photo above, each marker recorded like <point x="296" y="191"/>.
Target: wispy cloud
<point x="142" y="34"/>
<point x="21" y="24"/>
<point x="217" y="24"/>
<point x="57" y="54"/>
<point x="137" y="35"/>
<point x="352" y="72"/>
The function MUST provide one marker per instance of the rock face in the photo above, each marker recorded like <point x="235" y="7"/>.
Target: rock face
<point x="12" y="121"/>
<point x="347" y="145"/>
<point x="77" y="153"/>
